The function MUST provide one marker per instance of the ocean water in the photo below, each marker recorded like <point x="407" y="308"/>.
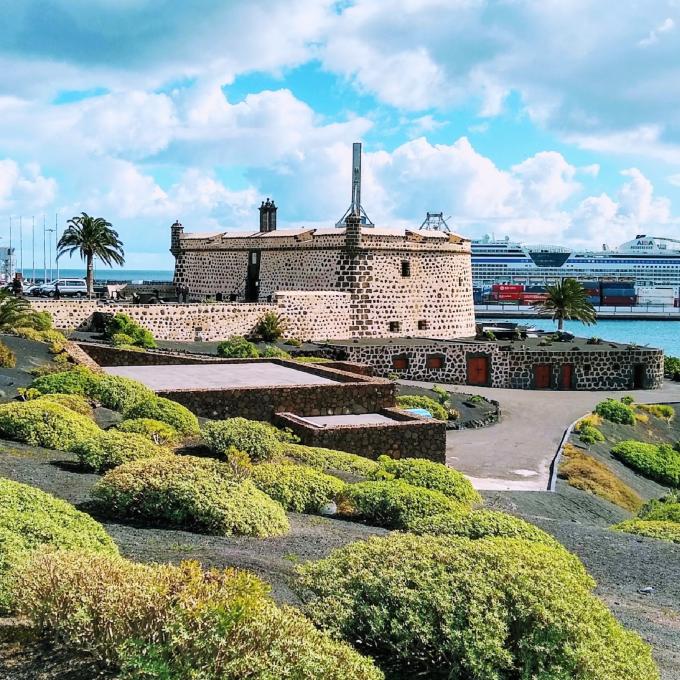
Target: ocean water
<point x="663" y="334"/>
<point x="103" y="274"/>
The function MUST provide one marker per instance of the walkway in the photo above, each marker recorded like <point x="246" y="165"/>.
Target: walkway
<point x="516" y="453"/>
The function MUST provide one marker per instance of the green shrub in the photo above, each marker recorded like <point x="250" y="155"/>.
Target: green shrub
<point x="158" y="432"/>
<point x="589" y="434"/>
<point x="663" y="411"/>
<point x="429" y="475"/>
<point x="122" y="339"/>
<point x="172" y="622"/>
<point x="7" y="357"/>
<point x="407" y="401"/>
<point x="237" y="347"/>
<point x="122" y="324"/>
<point x="627" y="400"/>
<point x="666" y="508"/>
<point x="393" y="505"/>
<point x="659" y="462"/>
<point x="273" y="352"/>
<point x="30" y="518"/>
<point x="42" y="321"/>
<point x="111" y="448"/>
<point x="671" y="367"/>
<point x="313" y="360"/>
<point x="442" y="395"/>
<point x="478" y="524"/>
<point x="331" y="460"/>
<point x="270" y="327"/>
<point x="192" y="493"/>
<point x="293" y="342"/>
<point x="42" y="423"/>
<point x="297" y="487"/>
<point x="112" y="391"/>
<point x="616" y="412"/>
<point x="74" y="402"/>
<point x="664" y="530"/>
<point x="167" y="411"/>
<point x="433" y="606"/>
<point x="259" y="440"/>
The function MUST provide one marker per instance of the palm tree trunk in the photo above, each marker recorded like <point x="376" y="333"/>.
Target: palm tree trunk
<point x="90" y="275"/>
<point x="560" y="324"/>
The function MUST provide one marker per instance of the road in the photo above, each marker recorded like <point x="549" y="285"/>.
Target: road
<point x="516" y="453"/>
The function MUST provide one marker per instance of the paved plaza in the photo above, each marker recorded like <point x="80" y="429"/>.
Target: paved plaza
<point x="516" y="453"/>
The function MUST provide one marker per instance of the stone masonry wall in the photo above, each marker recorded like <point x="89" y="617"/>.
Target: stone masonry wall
<point x="610" y="368"/>
<point x="412" y="436"/>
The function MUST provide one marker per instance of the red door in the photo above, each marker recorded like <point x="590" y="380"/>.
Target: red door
<point x="541" y="376"/>
<point x="567" y="374"/>
<point x="478" y="370"/>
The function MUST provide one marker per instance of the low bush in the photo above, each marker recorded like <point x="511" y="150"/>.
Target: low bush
<point x="478" y="524"/>
<point x="429" y="475"/>
<point x="54" y="338"/>
<point x="659" y="462"/>
<point x="7" y="357"/>
<point x="297" y="487"/>
<point x="591" y="420"/>
<point x="627" y="400"/>
<point x="158" y="432"/>
<point x="167" y="411"/>
<point x="43" y="423"/>
<point x="433" y="606"/>
<point x="664" y="530"/>
<point x="237" y="347"/>
<point x="122" y="339"/>
<point x="666" y="508"/>
<point x="293" y="342"/>
<point x="30" y="518"/>
<point x="274" y="352"/>
<point x="589" y="434"/>
<point x="259" y="440"/>
<point x="135" y="334"/>
<point x="331" y="460"/>
<point x="74" y="402"/>
<point x="42" y="321"/>
<point x="589" y="474"/>
<point x="313" y="360"/>
<point x="663" y="411"/>
<point x="615" y="412"/>
<point x="270" y="327"/>
<point x="198" y="494"/>
<point x="671" y="367"/>
<point x="171" y="622"/>
<point x="112" y="391"/>
<point x="110" y="448"/>
<point x="393" y="505"/>
<point x="407" y="401"/>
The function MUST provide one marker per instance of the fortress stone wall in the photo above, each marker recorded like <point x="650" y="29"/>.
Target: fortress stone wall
<point x="398" y="282"/>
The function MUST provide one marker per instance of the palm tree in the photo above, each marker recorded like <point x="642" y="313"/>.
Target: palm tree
<point x="92" y="237"/>
<point x="567" y="300"/>
<point x="15" y="312"/>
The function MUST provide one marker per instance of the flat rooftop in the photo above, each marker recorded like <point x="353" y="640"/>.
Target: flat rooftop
<point x="217" y="376"/>
<point x="358" y="419"/>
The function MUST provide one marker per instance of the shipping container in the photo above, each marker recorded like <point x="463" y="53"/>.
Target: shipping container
<point x="507" y="288"/>
<point x="594" y="299"/>
<point x="607" y="285"/>
<point x="618" y="300"/>
<point x="535" y="289"/>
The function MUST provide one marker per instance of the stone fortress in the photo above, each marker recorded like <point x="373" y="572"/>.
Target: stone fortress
<point x="374" y="282"/>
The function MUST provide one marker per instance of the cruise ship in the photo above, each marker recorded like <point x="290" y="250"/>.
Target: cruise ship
<point x="652" y="261"/>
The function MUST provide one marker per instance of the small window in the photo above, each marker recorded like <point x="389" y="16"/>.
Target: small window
<point x="405" y="268"/>
<point x="434" y="361"/>
<point x="460" y="281"/>
<point x="422" y="325"/>
<point x="400" y="363"/>
<point x="395" y="326"/>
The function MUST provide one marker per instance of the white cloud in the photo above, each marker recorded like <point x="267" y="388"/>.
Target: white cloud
<point x="24" y="187"/>
<point x="653" y="37"/>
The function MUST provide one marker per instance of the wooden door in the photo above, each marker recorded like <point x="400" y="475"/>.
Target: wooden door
<point x="541" y="376"/>
<point x="253" y="276"/>
<point x="567" y="374"/>
<point x="639" y="382"/>
<point x="478" y="370"/>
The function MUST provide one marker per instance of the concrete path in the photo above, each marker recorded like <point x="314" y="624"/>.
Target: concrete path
<point x="516" y="453"/>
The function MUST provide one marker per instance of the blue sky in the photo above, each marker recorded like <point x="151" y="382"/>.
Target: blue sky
<point x="552" y="121"/>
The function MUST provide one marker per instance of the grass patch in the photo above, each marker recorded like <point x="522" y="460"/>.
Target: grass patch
<point x="662" y="411"/>
<point x="588" y="474"/>
<point x="664" y="530"/>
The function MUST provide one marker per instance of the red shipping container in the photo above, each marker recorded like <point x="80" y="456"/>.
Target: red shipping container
<point x="507" y="287"/>
<point x="534" y="297"/>
<point x="514" y="297"/>
<point x="618" y="300"/>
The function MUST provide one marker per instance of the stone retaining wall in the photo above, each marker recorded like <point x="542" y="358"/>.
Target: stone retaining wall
<point x="409" y="436"/>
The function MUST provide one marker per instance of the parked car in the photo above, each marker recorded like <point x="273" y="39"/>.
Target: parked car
<point x="67" y="287"/>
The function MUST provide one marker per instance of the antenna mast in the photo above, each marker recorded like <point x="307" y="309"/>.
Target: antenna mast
<point x="355" y="206"/>
<point x="436" y="222"/>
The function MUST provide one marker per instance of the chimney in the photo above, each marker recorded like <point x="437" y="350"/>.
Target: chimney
<point x="268" y="216"/>
<point x="175" y="232"/>
<point x="353" y="232"/>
